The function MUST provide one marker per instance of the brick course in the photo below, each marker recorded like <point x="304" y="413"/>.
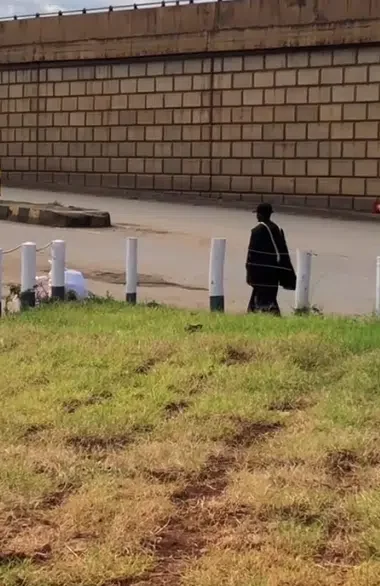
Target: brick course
<point x="302" y="123"/>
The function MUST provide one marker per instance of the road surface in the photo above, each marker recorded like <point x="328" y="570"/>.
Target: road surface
<point x="174" y="251"/>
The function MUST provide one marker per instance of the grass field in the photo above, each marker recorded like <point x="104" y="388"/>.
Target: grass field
<point x="154" y="447"/>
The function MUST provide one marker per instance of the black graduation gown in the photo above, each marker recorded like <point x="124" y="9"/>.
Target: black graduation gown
<point x="263" y="268"/>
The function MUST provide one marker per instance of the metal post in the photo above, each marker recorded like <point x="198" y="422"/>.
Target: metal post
<point x="302" y="294"/>
<point x="58" y="262"/>
<point x="28" y="274"/>
<point x="216" y="274"/>
<point x="131" y="271"/>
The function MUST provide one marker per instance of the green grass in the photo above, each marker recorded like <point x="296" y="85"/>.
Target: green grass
<point x="161" y="447"/>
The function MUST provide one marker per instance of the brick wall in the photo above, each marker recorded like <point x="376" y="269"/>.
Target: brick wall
<point x="300" y="127"/>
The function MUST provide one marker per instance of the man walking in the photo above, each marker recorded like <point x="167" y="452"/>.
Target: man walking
<point x="268" y="263"/>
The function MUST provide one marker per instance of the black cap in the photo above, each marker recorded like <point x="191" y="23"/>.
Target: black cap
<point x="264" y="209"/>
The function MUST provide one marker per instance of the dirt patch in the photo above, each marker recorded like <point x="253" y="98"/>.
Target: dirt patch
<point x="175" y="541"/>
<point x="174" y="409"/>
<point x="338" y="549"/>
<point x="57" y="497"/>
<point x="198" y="521"/>
<point x="230" y="516"/>
<point x="146" y="366"/>
<point x="12" y="558"/>
<point x="250" y="432"/>
<point x="35" y="429"/>
<point x="196" y="383"/>
<point x="161" y="354"/>
<point x="209" y="483"/>
<point x="74" y="404"/>
<point x="99" y="444"/>
<point x="235" y="355"/>
<point x="118" y="278"/>
<point x="142" y="428"/>
<point x="186" y="534"/>
<point x="341" y="464"/>
<point x="335" y="554"/>
<point x="19" y="519"/>
<point x="96" y="444"/>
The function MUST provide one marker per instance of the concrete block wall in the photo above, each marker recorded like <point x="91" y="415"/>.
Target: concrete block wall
<point x="300" y="127"/>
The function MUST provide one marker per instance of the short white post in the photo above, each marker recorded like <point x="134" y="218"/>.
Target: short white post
<point x="1" y="282"/>
<point x="131" y="271"/>
<point x="377" y="307"/>
<point x="28" y="274"/>
<point x="216" y="274"/>
<point x="58" y="263"/>
<point x="302" y="295"/>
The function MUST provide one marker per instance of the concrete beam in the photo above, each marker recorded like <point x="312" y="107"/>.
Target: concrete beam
<point x="239" y="25"/>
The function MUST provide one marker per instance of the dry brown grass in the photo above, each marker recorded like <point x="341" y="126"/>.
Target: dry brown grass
<point x="140" y="450"/>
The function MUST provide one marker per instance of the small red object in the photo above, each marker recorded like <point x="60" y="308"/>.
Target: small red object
<point x="376" y="207"/>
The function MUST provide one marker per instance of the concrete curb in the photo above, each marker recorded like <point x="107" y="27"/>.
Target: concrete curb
<point x="53" y="215"/>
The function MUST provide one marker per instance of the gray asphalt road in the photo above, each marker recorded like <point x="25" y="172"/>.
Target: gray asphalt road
<point x="174" y="248"/>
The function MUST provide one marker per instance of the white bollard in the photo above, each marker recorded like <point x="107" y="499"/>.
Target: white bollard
<point x="216" y="274"/>
<point x="302" y="294"/>
<point x="58" y="263"/>
<point x="1" y="282"/>
<point x="28" y="274"/>
<point x="377" y="307"/>
<point x="131" y="271"/>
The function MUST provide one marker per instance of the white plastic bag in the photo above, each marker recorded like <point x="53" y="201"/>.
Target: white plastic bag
<point x="75" y="284"/>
